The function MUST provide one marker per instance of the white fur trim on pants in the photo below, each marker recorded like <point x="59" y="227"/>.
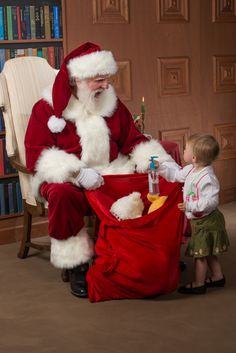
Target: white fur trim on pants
<point x="73" y="251"/>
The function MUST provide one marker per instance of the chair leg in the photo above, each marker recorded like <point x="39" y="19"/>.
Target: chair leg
<point x="65" y="275"/>
<point x="25" y="242"/>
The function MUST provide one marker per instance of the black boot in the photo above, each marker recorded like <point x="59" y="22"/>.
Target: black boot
<point x="78" y="284"/>
<point x="182" y="266"/>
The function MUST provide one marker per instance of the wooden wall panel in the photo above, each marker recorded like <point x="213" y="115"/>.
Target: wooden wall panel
<point x="172" y="11"/>
<point x="110" y="11"/>
<point x="224" y="71"/>
<point x="122" y="80"/>
<point x="226" y="136"/>
<point x="224" y="11"/>
<point x="173" y="76"/>
<point x="178" y="136"/>
<point x="147" y="37"/>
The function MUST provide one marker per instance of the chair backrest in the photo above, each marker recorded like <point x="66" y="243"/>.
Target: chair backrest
<point x="22" y="81"/>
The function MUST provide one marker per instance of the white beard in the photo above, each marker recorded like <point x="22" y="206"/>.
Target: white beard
<point x="92" y="101"/>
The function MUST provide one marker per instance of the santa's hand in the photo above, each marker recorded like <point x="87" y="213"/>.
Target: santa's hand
<point x="89" y="179"/>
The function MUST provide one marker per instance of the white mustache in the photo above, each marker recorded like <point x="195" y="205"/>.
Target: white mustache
<point x="99" y="90"/>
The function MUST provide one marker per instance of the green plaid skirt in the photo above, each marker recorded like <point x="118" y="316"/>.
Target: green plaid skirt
<point x="209" y="236"/>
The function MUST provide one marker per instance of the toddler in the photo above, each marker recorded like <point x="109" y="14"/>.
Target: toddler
<point x="201" y="197"/>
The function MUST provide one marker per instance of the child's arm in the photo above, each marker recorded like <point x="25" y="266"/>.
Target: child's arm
<point x="173" y="172"/>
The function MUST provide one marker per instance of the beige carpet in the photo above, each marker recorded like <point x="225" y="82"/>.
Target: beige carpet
<point x="39" y="315"/>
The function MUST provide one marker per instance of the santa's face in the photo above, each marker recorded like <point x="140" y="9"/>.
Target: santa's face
<point x="90" y="91"/>
<point x="98" y="84"/>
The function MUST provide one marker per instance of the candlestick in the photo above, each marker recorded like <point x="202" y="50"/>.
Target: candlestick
<point x="142" y="115"/>
<point x="142" y="106"/>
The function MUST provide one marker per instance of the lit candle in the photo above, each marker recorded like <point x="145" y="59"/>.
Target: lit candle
<point x="142" y="107"/>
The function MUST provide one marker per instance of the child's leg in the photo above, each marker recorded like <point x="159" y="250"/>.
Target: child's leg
<point x="200" y="265"/>
<point x="215" y="267"/>
<point x="198" y="286"/>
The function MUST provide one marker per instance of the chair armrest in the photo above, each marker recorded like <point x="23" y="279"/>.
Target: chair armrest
<point x="18" y="165"/>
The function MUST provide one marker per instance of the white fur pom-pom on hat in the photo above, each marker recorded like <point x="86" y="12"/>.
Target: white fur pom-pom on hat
<point x="128" y="207"/>
<point x="55" y="124"/>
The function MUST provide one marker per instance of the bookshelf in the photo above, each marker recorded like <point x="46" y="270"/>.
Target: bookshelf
<point x="27" y="28"/>
<point x="10" y="193"/>
<point x="31" y="27"/>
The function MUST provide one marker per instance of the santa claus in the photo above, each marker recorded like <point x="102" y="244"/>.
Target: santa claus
<point x="78" y="132"/>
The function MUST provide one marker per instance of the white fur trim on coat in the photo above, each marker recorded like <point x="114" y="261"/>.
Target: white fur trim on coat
<point x="142" y="152"/>
<point x="55" y="166"/>
<point x="55" y="124"/>
<point x="73" y="251"/>
<point x="121" y="165"/>
<point x="93" y="64"/>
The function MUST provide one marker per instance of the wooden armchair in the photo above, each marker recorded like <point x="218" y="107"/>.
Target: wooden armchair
<point x="21" y="84"/>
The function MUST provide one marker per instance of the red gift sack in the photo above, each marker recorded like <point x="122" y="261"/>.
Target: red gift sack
<point x="139" y="257"/>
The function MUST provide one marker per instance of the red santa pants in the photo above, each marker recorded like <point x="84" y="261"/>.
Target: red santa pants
<point x="67" y="206"/>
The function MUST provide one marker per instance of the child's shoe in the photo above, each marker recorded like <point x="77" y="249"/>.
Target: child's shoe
<point x="192" y="290"/>
<point x="219" y="283"/>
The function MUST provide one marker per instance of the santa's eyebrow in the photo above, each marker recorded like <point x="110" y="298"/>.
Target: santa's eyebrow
<point x="101" y="79"/>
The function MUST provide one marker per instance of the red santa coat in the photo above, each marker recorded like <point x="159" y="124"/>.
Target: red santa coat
<point x="104" y="138"/>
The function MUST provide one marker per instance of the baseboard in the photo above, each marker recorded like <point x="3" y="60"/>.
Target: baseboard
<point x="228" y="195"/>
<point x="12" y="229"/>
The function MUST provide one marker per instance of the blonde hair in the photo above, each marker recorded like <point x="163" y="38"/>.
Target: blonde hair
<point x="205" y="148"/>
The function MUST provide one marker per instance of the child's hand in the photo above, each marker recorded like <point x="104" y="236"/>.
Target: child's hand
<point x="157" y="164"/>
<point x="182" y="206"/>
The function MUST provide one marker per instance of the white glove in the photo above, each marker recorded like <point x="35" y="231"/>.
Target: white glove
<point x="89" y="179"/>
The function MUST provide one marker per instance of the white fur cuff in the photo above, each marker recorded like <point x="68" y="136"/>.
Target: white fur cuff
<point x="142" y="152"/>
<point x="73" y="251"/>
<point x="55" y="166"/>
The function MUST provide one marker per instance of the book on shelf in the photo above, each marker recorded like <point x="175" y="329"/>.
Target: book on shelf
<point x="42" y="23"/>
<point x="56" y="21"/>
<point x="19" y="197"/>
<point x="2" y="200"/>
<point x="54" y="54"/>
<point x="9" y="23"/>
<point x="10" y="197"/>
<point x="18" y="16"/>
<point x="14" y="23"/>
<point x="51" y="19"/>
<point x="8" y="169"/>
<point x="6" y="197"/>
<point x="47" y="27"/>
<point x="33" y="20"/>
<point x="2" y="58"/>
<point x="2" y="125"/>
<point x="5" y="22"/>
<point x="2" y="37"/>
<point x="26" y="15"/>
<point x="1" y="158"/>
<point x="37" y="22"/>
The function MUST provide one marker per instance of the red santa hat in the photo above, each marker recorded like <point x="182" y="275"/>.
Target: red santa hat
<point x="84" y="62"/>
